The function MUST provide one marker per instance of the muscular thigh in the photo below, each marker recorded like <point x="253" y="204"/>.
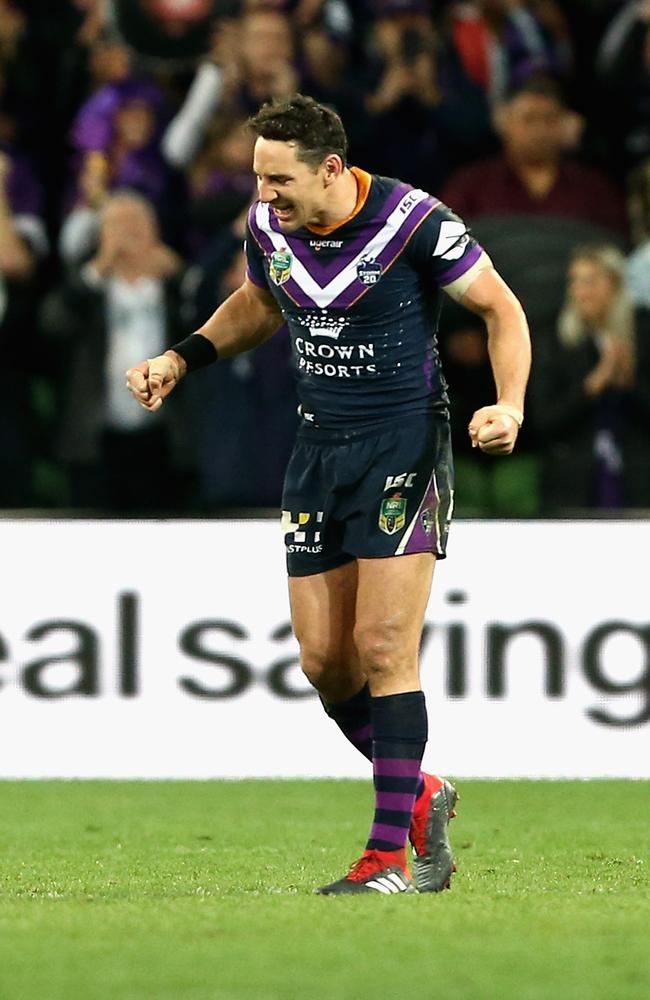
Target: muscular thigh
<point x="362" y="621"/>
<point x="392" y="597"/>
<point x="323" y="611"/>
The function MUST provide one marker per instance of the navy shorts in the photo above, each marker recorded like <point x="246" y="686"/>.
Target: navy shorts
<point x="367" y="495"/>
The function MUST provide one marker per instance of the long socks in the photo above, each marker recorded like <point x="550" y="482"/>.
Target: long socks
<point x="353" y="717"/>
<point x="399" y="724"/>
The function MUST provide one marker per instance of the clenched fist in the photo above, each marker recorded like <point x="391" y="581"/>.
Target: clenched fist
<point x="494" y="429"/>
<point x="151" y="381"/>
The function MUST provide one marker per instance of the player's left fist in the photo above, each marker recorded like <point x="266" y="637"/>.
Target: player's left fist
<point x="494" y="429"/>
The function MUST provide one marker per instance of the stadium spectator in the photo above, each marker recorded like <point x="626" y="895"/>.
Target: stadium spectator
<point x="91" y="55"/>
<point x="72" y="55"/>
<point x="128" y="293"/>
<point x="638" y="202"/>
<point x="267" y="65"/>
<point x="250" y="60"/>
<point x="18" y="85"/>
<point x="123" y="120"/>
<point x="638" y="275"/>
<point x="334" y="16"/>
<point x="80" y="62"/>
<point x="23" y="244"/>
<point x="166" y="31"/>
<point x="74" y="52"/>
<point x="421" y="96"/>
<point x="220" y="182"/>
<point x="246" y="408"/>
<point x="330" y="73"/>
<point x="257" y="56"/>
<point x="533" y="176"/>
<point x="117" y="136"/>
<point x="590" y="392"/>
<point x="624" y="70"/>
<point x="80" y="228"/>
<point x="638" y="268"/>
<point x="482" y="487"/>
<point x="91" y="64"/>
<point x="212" y="92"/>
<point x="503" y="42"/>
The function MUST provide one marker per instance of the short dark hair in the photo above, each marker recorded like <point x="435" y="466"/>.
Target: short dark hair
<point x="316" y="129"/>
<point x="538" y="85"/>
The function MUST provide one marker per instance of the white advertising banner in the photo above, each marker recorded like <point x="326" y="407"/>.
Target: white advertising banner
<point x="163" y="649"/>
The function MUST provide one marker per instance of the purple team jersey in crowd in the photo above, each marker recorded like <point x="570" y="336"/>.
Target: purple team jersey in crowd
<point x="362" y="303"/>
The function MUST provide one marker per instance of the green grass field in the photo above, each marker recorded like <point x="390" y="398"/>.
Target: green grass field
<point x="202" y="891"/>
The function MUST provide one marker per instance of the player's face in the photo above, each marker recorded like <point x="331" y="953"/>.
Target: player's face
<point x="295" y="191"/>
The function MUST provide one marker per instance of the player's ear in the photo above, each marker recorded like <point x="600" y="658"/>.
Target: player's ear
<point x="333" y="167"/>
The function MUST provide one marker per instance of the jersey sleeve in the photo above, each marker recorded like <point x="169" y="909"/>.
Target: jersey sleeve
<point x="442" y="248"/>
<point x="255" y="270"/>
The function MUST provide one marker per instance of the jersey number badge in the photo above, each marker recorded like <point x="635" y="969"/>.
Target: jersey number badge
<point x="392" y="514"/>
<point x="369" y="271"/>
<point x="280" y="263"/>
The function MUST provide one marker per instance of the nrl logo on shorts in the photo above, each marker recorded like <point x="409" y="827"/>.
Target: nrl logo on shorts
<point x="369" y="271"/>
<point x="280" y="263"/>
<point x="392" y="514"/>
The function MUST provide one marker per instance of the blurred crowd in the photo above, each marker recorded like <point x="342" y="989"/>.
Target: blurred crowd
<point x="125" y="175"/>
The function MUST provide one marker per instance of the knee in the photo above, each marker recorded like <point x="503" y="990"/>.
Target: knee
<point x="317" y="666"/>
<point x="334" y="676"/>
<point x="380" y="647"/>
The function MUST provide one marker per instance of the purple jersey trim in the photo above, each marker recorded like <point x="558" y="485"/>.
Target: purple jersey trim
<point x="290" y="287"/>
<point x="394" y="248"/>
<point x="355" y="289"/>
<point x="323" y="273"/>
<point x="420" y="541"/>
<point x="458" y="269"/>
<point x="253" y="226"/>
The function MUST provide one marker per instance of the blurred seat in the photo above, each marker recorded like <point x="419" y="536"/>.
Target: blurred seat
<point x="532" y="253"/>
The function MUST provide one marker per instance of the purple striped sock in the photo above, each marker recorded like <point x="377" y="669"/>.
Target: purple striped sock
<point x="353" y="719"/>
<point x="400" y="733"/>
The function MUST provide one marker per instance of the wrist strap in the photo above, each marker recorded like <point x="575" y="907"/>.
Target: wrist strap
<point x="511" y="411"/>
<point x="196" y="351"/>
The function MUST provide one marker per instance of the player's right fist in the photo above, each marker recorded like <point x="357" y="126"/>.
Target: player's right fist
<point x="152" y="380"/>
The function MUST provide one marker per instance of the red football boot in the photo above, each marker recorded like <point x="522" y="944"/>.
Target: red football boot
<point x="375" y="871"/>
<point x="433" y="862"/>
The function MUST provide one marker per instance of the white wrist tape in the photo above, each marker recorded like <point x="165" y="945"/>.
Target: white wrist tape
<point x="511" y="411"/>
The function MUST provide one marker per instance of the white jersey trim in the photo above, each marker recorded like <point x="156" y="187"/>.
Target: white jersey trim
<point x="325" y="295"/>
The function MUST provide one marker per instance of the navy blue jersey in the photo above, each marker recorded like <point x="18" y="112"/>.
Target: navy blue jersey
<point x="362" y="302"/>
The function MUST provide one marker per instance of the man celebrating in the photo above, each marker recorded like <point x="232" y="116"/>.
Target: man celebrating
<point x="354" y="264"/>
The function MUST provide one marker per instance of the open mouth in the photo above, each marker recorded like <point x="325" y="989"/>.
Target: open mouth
<point x="283" y="213"/>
